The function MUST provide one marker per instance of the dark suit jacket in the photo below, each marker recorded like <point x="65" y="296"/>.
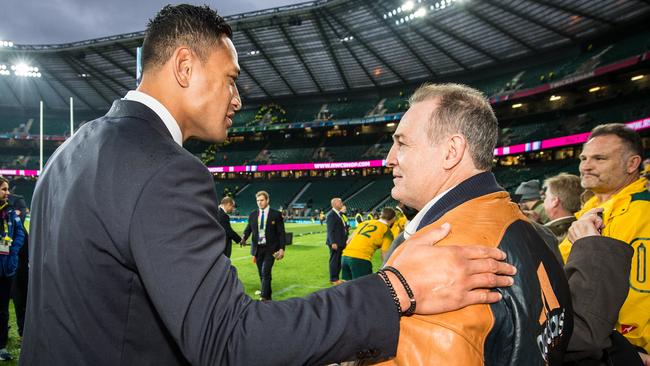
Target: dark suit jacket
<point x="124" y="269"/>
<point x="224" y="221"/>
<point x="274" y="231"/>
<point x="336" y="232"/>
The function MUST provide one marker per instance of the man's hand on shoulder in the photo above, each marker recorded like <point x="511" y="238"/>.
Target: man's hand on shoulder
<point x="448" y="278"/>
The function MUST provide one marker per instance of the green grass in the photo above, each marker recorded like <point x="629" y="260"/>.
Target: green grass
<point x="14" y="340"/>
<point x="303" y="270"/>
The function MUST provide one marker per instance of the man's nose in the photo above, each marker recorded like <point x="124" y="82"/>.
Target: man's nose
<point x="391" y="159"/>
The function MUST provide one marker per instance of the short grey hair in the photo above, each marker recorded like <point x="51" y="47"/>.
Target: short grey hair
<point x="464" y="110"/>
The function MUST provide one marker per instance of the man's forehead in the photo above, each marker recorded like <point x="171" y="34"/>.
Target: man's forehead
<point x="605" y="144"/>
<point x="225" y="49"/>
<point x="415" y="120"/>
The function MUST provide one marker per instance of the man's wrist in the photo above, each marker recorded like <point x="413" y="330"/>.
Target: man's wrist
<point x="404" y="301"/>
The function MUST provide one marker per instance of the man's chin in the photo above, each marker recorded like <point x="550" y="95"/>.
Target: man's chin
<point x="396" y="194"/>
<point x="588" y="184"/>
<point x="214" y="139"/>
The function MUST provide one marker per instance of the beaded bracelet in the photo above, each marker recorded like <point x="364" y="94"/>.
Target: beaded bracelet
<point x="409" y="292"/>
<point x="384" y="277"/>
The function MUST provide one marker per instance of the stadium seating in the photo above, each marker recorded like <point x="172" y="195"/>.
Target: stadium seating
<point x="281" y="193"/>
<point x="627" y="47"/>
<point x="19" y="161"/>
<point x="396" y="104"/>
<point x="319" y="193"/>
<point x="370" y="195"/>
<point x="350" y="109"/>
<point x="244" y="117"/>
<point x="297" y="155"/>
<point x="302" y="112"/>
<point x="234" y="157"/>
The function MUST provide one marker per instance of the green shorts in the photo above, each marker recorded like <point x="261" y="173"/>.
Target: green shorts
<point x="352" y="268"/>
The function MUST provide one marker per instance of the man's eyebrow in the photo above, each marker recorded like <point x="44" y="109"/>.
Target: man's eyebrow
<point x="593" y="155"/>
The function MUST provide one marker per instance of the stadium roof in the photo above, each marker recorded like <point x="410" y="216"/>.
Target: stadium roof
<point x="331" y="46"/>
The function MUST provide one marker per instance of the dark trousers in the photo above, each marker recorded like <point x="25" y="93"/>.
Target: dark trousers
<point x="264" y="260"/>
<point x="335" y="263"/>
<point x="19" y="288"/>
<point x="5" y="294"/>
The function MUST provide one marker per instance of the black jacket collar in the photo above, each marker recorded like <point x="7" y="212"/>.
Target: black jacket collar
<point x="473" y="187"/>
<point x="123" y="108"/>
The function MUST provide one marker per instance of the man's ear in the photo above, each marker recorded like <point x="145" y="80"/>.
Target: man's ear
<point x="455" y="149"/>
<point x="555" y="202"/>
<point x="632" y="164"/>
<point x="182" y="64"/>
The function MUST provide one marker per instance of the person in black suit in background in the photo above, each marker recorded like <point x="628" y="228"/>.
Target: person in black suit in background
<point x="142" y="280"/>
<point x="225" y="208"/>
<point x="267" y="228"/>
<point x="20" y="283"/>
<point x="337" y="237"/>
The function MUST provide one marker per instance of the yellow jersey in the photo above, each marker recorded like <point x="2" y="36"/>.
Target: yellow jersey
<point x="626" y="217"/>
<point x="368" y="237"/>
<point x="398" y="225"/>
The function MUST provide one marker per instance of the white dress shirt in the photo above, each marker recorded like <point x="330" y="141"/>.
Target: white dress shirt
<point x="160" y="110"/>
<point x="262" y="230"/>
<point x="412" y="225"/>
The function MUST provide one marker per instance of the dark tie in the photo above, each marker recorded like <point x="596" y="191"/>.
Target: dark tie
<point x="262" y="221"/>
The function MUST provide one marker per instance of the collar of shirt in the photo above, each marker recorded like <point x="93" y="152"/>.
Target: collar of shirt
<point x="160" y="110"/>
<point x="336" y="212"/>
<point x="558" y="220"/>
<point x="266" y="214"/>
<point x="412" y="225"/>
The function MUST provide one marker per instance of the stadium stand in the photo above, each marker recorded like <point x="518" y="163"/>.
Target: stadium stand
<point x="343" y="100"/>
<point x="244" y="117"/>
<point x="370" y="195"/>
<point x="303" y="112"/>
<point x="319" y="193"/>
<point x="394" y="104"/>
<point x="281" y="193"/>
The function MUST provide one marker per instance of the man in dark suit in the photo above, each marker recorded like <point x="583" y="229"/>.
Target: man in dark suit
<point x="337" y="237"/>
<point x="142" y="280"/>
<point x="267" y="228"/>
<point x="225" y="208"/>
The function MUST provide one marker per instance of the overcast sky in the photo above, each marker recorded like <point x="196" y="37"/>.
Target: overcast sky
<point x="63" y="21"/>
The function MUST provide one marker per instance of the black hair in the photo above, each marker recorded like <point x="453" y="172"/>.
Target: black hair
<point x="197" y="27"/>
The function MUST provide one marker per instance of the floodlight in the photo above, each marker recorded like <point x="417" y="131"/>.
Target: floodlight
<point x="554" y="98"/>
<point x="637" y="77"/>
<point x="409" y="5"/>
<point x="594" y="89"/>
